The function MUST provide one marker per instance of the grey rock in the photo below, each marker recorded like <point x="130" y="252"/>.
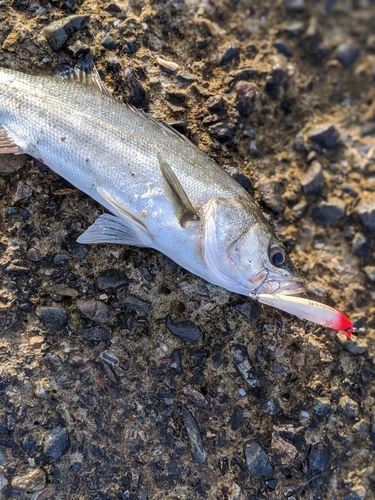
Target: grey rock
<point x="57" y="443"/>
<point x="294" y="6"/>
<point x="3" y="458"/>
<point x="246" y="95"/>
<point x="322" y="407"/>
<point x="236" y="419"/>
<point x="110" y="358"/>
<point x="32" y="481"/>
<point x="176" y="365"/>
<point x="130" y="47"/>
<point x="187" y="331"/>
<point x="283" y="48"/>
<point x="313" y="181"/>
<point x="112" y="279"/>
<point x="352" y="496"/>
<point x="93" y="309"/>
<point x="52" y="317"/>
<point x="194" y="435"/>
<point x="347" y="54"/>
<point x="94" y="334"/>
<point x="355" y="346"/>
<point x="34" y="254"/>
<point x="222" y="131"/>
<point x="349" y="408"/>
<point x="300" y="209"/>
<point x="257" y="460"/>
<point x="318" y="459"/>
<point x="216" y="104"/>
<point x="78" y="250"/>
<point x="326" y="212"/>
<point x="272" y="406"/>
<point x="368" y="129"/>
<point x="60" y="259"/>
<point x="170" y="265"/>
<point x="229" y="55"/>
<point x="325" y="135"/>
<point x="360" y="245"/>
<point x="366" y="212"/>
<point x="108" y="42"/>
<point x="11" y="163"/>
<point x="276" y="78"/>
<point x="242" y="364"/>
<point x="136" y="304"/>
<point x="138" y="93"/>
<point x="279" y="368"/>
<point x="270" y="193"/>
<point x="248" y="309"/>
<point x="58" y="32"/>
<point x="186" y="77"/>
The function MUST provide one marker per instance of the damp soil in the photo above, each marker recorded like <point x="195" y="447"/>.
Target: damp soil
<point x="122" y="375"/>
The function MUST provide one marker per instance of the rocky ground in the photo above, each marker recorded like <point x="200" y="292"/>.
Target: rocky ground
<point x="122" y="375"/>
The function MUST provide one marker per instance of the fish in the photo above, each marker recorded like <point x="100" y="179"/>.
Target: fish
<point x="162" y="191"/>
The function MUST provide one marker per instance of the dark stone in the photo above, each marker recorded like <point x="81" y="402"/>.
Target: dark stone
<point x="57" y="443"/>
<point x="326" y="212"/>
<point x="136" y="304"/>
<point x="60" y="259"/>
<point x="366" y="212"/>
<point x="283" y="48"/>
<point x="347" y="54"/>
<point x="318" y="459"/>
<point x="272" y="406"/>
<point x="300" y="209"/>
<point x="368" y="129"/>
<point x="113" y="8"/>
<point x="93" y="309"/>
<point x="170" y="265"/>
<point x="94" y="333"/>
<point x="360" y="245"/>
<point x="257" y="460"/>
<point x="229" y="55"/>
<point x="325" y="135"/>
<point x="222" y="131"/>
<point x="187" y="331"/>
<point x="248" y="309"/>
<point x="194" y="435"/>
<point x="272" y="483"/>
<point x="145" y="272"/>
<point x="20" y="4"/>
<point x="138" y="94"/>
<point x="352" y="496"/>
<point x="271" y="197"/>
<point x="176" y="365"/>
<point x="246" y="94"/>
<point x="78" y="250"/>
<point x="243" y="181"/>
<point x="276" y="78"/>
<point x="236" y="419"/>
<point x="112" y="279"/>
<point x="221" y="437"/>
<point x="313" y="181"/>
<point x="322" y="407"/>
<point x="348" y="408"/>
<point x="216" y="104"/>
<point x="301" y="146"/>
<point x="58" y="32"/>
<point x="294" y="6"/>
<point x="29" y="443"/>
<point x="108" y="42"/>
<point x="129" y="47"/>
<point x="52" y="317"/>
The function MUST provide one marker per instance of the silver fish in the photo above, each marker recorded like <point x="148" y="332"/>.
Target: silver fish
<point x="162" y="191"/>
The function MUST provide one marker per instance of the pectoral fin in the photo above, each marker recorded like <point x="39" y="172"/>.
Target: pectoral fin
<point x="180" y="201"/>
<point x="111" y="229"/>
<point x="7" y="144"/>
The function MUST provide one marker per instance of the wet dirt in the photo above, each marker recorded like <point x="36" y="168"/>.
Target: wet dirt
<point x="99" y="399"/>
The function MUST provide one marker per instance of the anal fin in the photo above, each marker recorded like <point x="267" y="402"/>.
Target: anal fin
<point x="111" y="229"/>
<point x="180" y="201"/>
<point x="7" y="145"/>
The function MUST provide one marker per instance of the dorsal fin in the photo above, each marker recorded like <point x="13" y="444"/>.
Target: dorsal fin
<point x="84" y="72"/>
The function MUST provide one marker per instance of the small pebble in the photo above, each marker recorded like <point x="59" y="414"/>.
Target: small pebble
<point x="35" y="480"/>
<point x="167" y="65"/>
<point x="246" y="95"/>
<point x="93" y="309"/>
<point x="318" y="459"/>
<point x="187" y="331"/>
<point x="23" y="191"/>
<point x="57" y="443"/>
<point x="52" y="317"/>
<point x="58" y="32"/>
<point x="313" y="181"/>
<point x="169" y="265"/>
<point x="368" y="129"/>
<point x="294" y="6"/>
<point x="229" y="55"/>
<point x="194" y="435"/>
<point x="325" y="135"/>
<point x="269" y="191"/>
<point x="241" y="362"/>
<point x="112" y="279"/>
<point x="370" y="271"/>
<point x="60" y="259"/>
<point x="360" y="245"/>
<point x="366" y="211"/>
<point x="242" y="392"/>
<point x="348" y="408"/>
<point x="108" y="42"/>
<point x="176" y="365"/>
<point x="236" y="419"/>
<point x="34" y="254"/>
<point x="136" y="304"/>
<point x="322" y="407"/>
<point x="283" y="48"/>
<point x="347" y="54"/>
<point x="129" y="47"/>
<point x="272" y="406"/>
<point x="257" y="460"/>
<point x="222" y="131"/>
<point x="10" y="163"/>
<point x="216" y="104"/>
<point x="249" y="309"/>
<point x="300" y="209"/>
<point x="94" y="334"/>
<point x="138" y="94"/>
<point x="276" y="78"/>
<point x="326" y="212"/>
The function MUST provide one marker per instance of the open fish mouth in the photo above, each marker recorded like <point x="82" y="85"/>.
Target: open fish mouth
<point x="275" y="284"/>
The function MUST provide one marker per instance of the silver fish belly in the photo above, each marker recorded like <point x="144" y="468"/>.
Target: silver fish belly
<point x="161" y="190"/>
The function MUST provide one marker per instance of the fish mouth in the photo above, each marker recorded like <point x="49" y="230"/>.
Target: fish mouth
<point x="276" y="284"/>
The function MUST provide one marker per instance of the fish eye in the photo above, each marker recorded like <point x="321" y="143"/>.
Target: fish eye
<point x="277" y="256"/>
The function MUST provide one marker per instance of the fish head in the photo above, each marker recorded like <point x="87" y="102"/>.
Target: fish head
<point x="242" y="252"/>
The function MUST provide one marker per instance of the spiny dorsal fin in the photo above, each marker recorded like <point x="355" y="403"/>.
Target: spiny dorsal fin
<point x="7" y="145"/>
<point x="180" y="201"/>
<point x="84" y="72"/>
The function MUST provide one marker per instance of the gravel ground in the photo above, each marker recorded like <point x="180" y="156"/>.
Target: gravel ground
<point x="122" y="375"/>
